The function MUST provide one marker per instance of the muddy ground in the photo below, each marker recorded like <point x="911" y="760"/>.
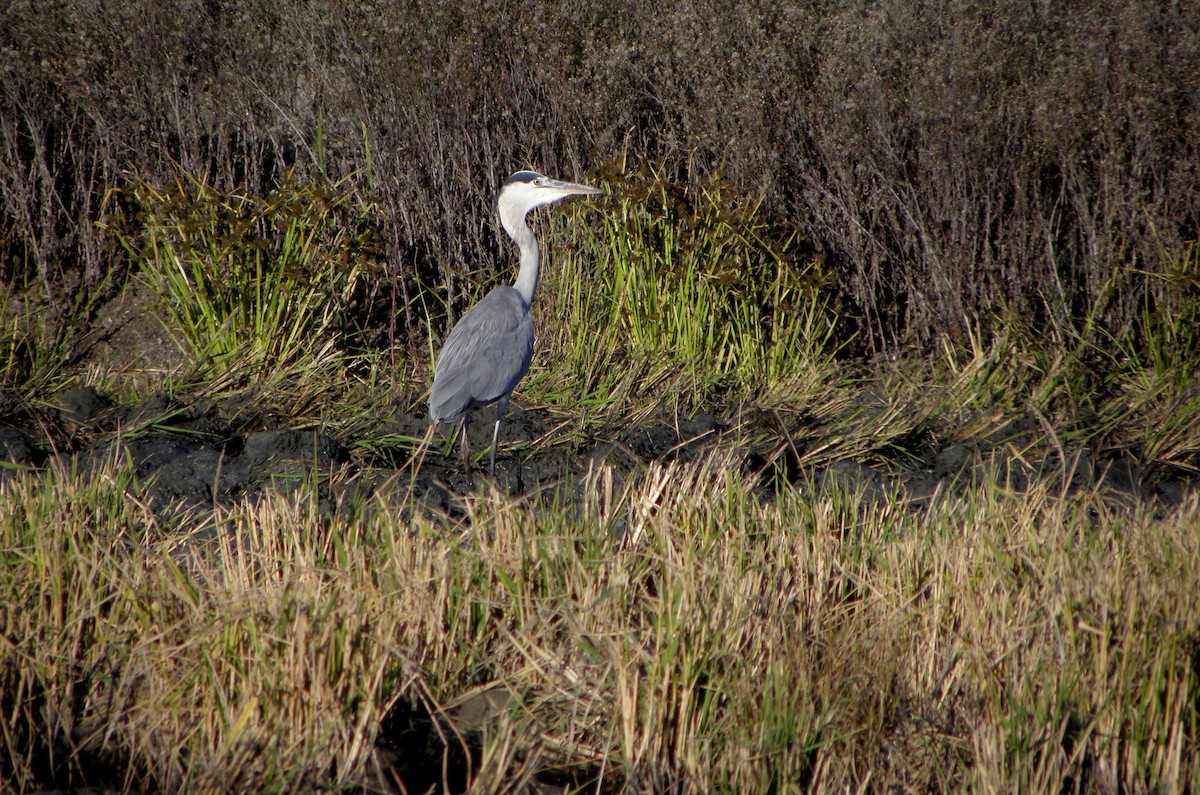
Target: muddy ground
<point x="197" y="454"/>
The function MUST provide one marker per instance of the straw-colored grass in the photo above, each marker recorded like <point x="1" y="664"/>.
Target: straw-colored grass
<point x="672" y="634"/>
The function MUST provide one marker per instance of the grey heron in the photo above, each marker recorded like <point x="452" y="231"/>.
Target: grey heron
<point x="489" y="349"/>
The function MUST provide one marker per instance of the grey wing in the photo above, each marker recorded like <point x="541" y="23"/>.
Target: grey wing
<point x="487" y="353"/>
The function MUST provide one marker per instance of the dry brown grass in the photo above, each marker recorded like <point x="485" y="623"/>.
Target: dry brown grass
<point x="674" y="633"/>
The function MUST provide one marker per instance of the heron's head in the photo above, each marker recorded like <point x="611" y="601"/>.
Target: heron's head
<point x="526" y="190"/>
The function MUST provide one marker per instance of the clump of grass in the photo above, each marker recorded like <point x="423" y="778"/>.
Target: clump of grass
<point x="257" y="288"/>
<point x="688" y="282"/>
<point x="673" y="632"/>
<point x="33" y="351"/>
<point x="1132" y="389"/>
<point x="1160" y="379"/>
<point x="1170" y="312"/>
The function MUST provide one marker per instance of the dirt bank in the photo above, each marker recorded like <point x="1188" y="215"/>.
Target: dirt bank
<point x="197" y="454"/>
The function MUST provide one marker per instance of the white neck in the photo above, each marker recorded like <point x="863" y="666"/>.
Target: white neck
<point x="527" y="277"/>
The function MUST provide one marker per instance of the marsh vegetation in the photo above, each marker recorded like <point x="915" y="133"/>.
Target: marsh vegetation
<point x="860" y="451"/>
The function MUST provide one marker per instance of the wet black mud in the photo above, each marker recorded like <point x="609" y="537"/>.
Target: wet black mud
<point x="195" y="454"/>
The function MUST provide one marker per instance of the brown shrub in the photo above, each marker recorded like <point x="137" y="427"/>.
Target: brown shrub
<point x="957" y="163"/>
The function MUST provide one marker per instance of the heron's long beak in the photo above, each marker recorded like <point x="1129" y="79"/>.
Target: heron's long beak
<point x="570" y="188"/>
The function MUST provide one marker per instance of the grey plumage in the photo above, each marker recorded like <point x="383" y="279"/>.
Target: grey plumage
<point x="488" y="351"/>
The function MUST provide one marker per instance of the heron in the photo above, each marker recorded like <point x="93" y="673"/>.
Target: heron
<point x="489" y="349"/>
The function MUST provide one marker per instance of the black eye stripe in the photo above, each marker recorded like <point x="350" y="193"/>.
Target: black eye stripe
<point x="525" y="176"/>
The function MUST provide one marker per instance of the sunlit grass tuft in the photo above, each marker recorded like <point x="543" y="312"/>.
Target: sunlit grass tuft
<point x="682" y="291"/>
<point x="256" y="288"/>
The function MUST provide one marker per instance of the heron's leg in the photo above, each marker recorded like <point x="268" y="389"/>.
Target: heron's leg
<point x="464" y="446"/>
<point x="501" y="409"/>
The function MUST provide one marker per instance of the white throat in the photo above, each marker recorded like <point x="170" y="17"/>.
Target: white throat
<point x="512" y="218"/>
